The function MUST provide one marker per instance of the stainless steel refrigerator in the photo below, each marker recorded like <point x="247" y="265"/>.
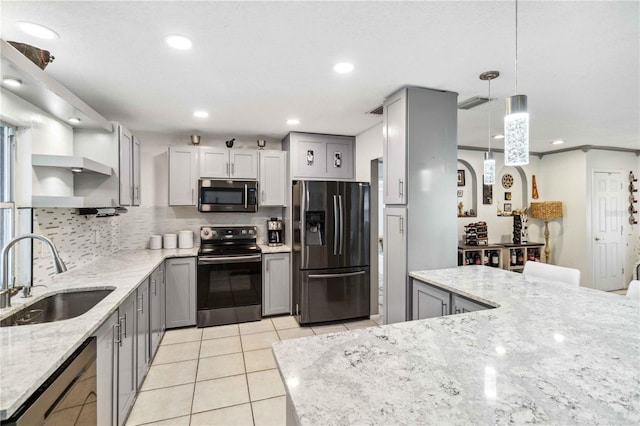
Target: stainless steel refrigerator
<point x="330" y="251"/>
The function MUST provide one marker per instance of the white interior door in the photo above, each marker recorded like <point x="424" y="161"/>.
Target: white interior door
<point x="606" y="214"/>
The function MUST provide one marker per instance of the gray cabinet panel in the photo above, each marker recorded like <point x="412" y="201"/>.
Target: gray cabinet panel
<point x="126" y="357"/>
<point x="429" y="302"/>
<point x="183" y="175"/>
<point x="276" y="291"/>
<point x="311" y="159"/>
<point x="460" y="305"/>
<point x="395" y="265"/>
<point x="181" y="292"/>
<point x="395" y="149"/>
<point x="339" y="160"/>
<point x="126" y="150"/>
<point x="143" y="337"/>
<point x="107" y="370"/>
<point x="157" y="308"/>
<point x="273" y="178"/>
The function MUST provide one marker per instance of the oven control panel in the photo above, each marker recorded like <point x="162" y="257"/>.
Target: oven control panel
<point x="225" y="233"/>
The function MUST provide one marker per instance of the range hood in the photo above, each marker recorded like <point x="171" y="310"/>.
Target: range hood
<point x="73" y="163"/>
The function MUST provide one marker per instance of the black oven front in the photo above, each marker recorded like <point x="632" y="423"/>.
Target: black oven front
<point x="229" y="289"/>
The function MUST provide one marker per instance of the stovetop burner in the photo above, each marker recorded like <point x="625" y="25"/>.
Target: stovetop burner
<point x="228" y="240"/>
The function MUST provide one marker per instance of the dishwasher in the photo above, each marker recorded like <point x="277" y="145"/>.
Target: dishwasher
<point x="68" y="397"/>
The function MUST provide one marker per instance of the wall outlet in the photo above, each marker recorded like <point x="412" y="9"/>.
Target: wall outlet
<point x="96" y="236"/>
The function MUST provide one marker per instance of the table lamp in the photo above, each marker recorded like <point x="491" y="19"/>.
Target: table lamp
<point x="546" y="210"/>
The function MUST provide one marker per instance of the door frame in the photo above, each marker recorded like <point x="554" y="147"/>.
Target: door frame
<point x="590" y="232"/>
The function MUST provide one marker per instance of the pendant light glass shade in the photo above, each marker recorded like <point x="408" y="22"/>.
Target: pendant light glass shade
<point x="516" y="131"/>
<point x="489" y="169"/>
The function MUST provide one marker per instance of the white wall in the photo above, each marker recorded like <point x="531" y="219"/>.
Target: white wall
<point x="368" y="147"/>
<point x="500" y="227"/>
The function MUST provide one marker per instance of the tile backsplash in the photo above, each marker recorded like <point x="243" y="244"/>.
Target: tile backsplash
<point x="81" y="240"/>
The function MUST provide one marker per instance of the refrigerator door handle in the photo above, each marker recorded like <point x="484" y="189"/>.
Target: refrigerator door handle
<point x="341" y="224"/>
<point x="335" y="225"/>
<point x="346" y="274"/>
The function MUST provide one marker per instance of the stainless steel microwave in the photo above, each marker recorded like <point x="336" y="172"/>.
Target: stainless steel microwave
<point x="227" y="195"/>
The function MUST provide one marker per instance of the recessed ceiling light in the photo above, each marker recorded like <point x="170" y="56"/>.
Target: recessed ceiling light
<point x="499" y="136"/>
<point x="73" y="120"/>
<point x="12" y="81"/>
<point x="557" y="142"/>
<point x="37" y="30"/>
<point x="293" y="121"/>
<point x="178" y="42"/>
<point x="77" y="169"/>
<point x="201" y="114"/>
<point x="343" y="67"/>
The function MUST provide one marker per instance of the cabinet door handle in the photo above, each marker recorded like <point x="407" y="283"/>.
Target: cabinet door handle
<point x="141" y="308"/>
<point x="402" y="225"/>
<point x="155" y="290"/>
<point x="444" y="309"/>
<point x="123" y="328"/>
<point x="116" y="335"/>
<point x="227" y="169"/>
<point x="401" y="185"/>
<point x="233" y="169"/>
<point x="262" y="196"/>
<point x="266" y="265"/>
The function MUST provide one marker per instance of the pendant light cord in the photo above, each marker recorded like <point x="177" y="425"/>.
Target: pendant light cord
<point x="516" y="47"/>
<point x="489" y="106"/>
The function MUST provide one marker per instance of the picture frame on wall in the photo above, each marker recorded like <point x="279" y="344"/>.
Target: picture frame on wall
<point x="461" y="178"/>
<point x="507" y="207"/>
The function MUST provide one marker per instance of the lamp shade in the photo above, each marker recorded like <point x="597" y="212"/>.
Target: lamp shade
<point x="546" y="210"/>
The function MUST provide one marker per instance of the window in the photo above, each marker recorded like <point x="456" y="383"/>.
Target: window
<point x="7" y="206"/>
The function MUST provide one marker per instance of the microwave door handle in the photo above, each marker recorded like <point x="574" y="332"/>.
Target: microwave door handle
<point x="246" y="195"/>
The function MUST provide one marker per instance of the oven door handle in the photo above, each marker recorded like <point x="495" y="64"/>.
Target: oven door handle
<point x="345" y="274"/>
<point x="229" y="259"/>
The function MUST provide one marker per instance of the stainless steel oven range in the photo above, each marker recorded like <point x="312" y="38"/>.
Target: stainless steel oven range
<point x="229" y="289"/>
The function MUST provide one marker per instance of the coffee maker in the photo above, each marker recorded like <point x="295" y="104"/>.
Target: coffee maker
<point x="275" y="231"/>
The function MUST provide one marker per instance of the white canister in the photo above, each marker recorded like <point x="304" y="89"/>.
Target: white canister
<point x="155" y="242"/>
<point x="185" y="239"/>
<point x="170" y="241"/>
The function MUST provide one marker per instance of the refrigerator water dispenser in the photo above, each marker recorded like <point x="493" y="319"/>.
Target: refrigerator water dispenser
<point x="314" y="231"/>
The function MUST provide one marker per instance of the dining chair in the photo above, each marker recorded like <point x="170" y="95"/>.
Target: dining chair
<point x="552" y="272"/>
<point x="634" y="289"/>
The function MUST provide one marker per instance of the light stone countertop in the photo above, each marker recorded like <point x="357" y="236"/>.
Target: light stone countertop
<point x="30" y="354"/>
<point x="548" y="354"/>
<point x="266" y="249"/>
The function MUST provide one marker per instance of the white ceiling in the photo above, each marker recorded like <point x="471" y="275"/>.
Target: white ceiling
<point x="255" y="64"/>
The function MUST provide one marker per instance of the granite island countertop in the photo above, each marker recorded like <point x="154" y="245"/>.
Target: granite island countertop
<point x="30" y="354"/>
<point x="548" y="354"/>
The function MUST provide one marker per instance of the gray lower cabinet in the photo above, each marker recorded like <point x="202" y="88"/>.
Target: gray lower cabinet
<point x="461" y="305"/>
<point x="180" y="276"/>
<point x="107" y="370"/>
<point x="127" y="357"/>
<point x="143" y="332"/>
<point x="429" y="301"/>
<point x="158" y="308"/>
<point x="395" y="265"/>
<point x="276" y="289"/>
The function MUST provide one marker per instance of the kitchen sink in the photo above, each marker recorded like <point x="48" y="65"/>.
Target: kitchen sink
<point x="57" y="307"/>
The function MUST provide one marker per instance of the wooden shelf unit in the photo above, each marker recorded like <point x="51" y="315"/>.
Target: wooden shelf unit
<point x="525" y="249"/>
<point x="482" y="251"/>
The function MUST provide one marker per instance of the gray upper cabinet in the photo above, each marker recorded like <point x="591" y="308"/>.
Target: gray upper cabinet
<point x="126" y="165"/>
<point x="273" y="178"/>
<point x="429" y="301"/>
<point x="320" y="157"/>
<point x="221" y="163"/>
<point x="395" y="149"/>
<point x="183" y="175"/>
<point x="181" y="292"/>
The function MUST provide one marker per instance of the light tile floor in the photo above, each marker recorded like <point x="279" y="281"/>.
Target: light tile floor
<point x="222" y="375"/>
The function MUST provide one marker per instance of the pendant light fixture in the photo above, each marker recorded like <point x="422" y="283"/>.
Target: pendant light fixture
<point x="489" y="169"/>
<point x="516" y="122"/>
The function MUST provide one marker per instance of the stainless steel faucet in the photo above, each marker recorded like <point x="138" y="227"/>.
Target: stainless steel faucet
<point x="5" y="291"/>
